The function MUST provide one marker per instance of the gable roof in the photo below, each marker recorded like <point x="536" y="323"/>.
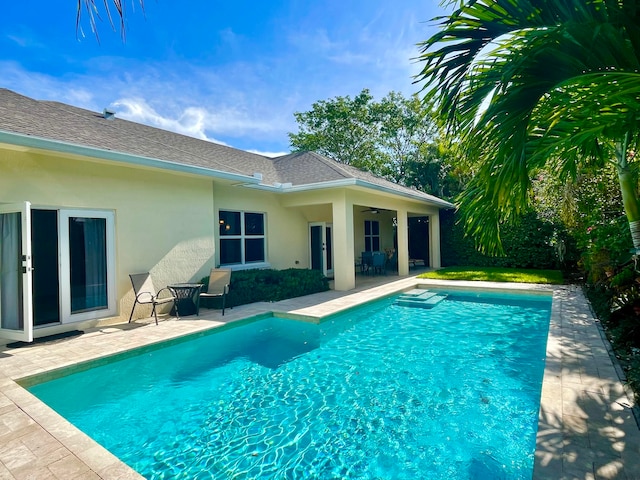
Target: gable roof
<point x="57" y="126"/>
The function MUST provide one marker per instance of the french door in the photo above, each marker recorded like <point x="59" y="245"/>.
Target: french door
<point x="57" y="266"/>
<point x="16" y="314"/>
<point x="321" y="247"/>
<point x="87" y="264"/>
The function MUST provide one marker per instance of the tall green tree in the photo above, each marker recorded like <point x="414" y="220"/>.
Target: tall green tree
<point x="395" y="137"/>
<point x="532" y="84"/>
<point x="406" y="141"/>
<point x="344" y="129"/>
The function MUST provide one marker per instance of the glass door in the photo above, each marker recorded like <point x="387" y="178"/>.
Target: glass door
<point x="87" y="276"/>
<point x="321" y="247"/>
<point x="45" y="277"/>
<point x="328" y="241"/>
<point x="16" y="317"/>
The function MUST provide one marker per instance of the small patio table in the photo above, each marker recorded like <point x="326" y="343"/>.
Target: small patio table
<point x="188" y="298"/>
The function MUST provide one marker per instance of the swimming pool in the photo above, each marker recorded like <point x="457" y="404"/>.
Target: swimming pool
<point x="379" y="392"/>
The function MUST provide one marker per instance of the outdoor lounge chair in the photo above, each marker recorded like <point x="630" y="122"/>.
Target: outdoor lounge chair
<point x="145" y="293"/>
<point x="219" y="284"/>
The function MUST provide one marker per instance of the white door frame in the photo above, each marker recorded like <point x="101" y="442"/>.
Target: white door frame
<point x="24" y="330"/>
<point x="66" y="315"/>
<point x="327" y="247"/>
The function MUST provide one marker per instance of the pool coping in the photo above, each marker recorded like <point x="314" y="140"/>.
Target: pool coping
<point x="586" y="428"/>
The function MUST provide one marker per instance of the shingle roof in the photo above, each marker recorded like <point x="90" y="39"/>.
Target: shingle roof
<point x="59" y="122"/>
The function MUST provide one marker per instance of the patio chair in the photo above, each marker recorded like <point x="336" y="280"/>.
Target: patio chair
<point x="379" y="262"/>
<point x="145" y="293"/>
<point x="392" y="262"/>
<point x="219" y="285"/>
<point x="367" y="262"/>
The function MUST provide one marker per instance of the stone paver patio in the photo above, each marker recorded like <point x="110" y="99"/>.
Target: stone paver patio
<point x="587" y="429"/>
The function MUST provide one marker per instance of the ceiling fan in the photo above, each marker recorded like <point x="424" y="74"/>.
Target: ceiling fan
<point x="374" y="210"/>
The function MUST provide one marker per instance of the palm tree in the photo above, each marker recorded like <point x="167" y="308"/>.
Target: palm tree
<point x="92" y="9"/>
<point x="532" y="84"/>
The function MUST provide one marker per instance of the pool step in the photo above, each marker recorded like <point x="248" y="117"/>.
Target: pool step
<point x="428" y="303"/>
<point x="416" y="292"/>
<point x="419" y="298"/>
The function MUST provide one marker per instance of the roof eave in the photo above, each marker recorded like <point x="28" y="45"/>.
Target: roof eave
<point x="351" y="182"/>
<point x="30" y="141"/>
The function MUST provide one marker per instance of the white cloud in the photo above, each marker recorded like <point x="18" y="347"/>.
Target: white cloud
<point x="200" y="122"/>
<point x="269" y="154"/>
<point x="24" y="37"/>
<point x="245" y="103"/>
<point x="188" y="100"/>
<point x="191" y="122"/>
<point x="317" y="40"/>
<point x="45" y="87"/>
<point x="351" y="58"/>
<point x="23" y="42"/>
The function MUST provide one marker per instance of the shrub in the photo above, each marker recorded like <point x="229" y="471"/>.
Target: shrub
<point x="529" y="243"/>
<point x="606" y="249"/>
<point x="250" y="286"/>
<point x="621" y="321"/>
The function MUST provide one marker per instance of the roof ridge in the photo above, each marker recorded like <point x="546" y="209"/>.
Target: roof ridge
<point x="331" y="163"/>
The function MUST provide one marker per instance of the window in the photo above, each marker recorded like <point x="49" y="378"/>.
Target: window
<point x="242" y="238"/>
<point x="371" y="236"/>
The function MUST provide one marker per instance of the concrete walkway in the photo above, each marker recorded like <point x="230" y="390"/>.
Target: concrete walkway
<point x="586" y="428"/>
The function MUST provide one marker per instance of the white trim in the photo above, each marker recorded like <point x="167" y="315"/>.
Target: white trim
<point x="118" y="157"/>
<point x="242" y="236"/>
<point x="66" y="316"/>
<point x="327" y="272"/>
<point x="371" y="235"/>
<point x="248" y="266"/>
<point x="26" y="334"/>
<point x="352" y="182"/>
<point x="249" y="181"/>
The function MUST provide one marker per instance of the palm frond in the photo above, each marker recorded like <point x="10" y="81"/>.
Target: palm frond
<point x="93" y="11"/>
<point x="525" y="82"/>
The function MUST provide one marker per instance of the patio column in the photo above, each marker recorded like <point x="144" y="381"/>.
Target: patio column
<point x="434" y="241"/>
<point x="344" y="273"/>
<point x="403" y="242"/>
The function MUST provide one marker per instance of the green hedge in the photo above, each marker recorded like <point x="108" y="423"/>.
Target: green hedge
<point x="250" y="286"/>
<point x="527" y="244"/>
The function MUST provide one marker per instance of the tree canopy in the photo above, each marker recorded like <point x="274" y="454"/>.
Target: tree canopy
<point x="530" y="84"/>
<point x="395" y="137"/>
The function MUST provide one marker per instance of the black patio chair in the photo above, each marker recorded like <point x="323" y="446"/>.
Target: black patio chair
<point x="145" y="293"/>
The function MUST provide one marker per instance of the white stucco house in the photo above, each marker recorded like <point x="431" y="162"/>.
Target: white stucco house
<point x="87" y="198"/>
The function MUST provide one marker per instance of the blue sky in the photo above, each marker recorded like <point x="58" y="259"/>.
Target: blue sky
<point x="230" y="71"/>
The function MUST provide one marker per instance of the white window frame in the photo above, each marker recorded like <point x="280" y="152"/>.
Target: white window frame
<point x="243" y="237"/>
<point x="371" y="236"/>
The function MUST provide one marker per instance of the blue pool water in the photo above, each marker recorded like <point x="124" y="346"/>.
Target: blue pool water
<point x="381" y="392"/>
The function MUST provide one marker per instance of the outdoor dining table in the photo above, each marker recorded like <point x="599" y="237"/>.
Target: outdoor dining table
<point x="188" y="298"/>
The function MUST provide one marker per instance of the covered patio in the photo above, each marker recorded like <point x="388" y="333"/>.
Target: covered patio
<point x="342" y="227"/>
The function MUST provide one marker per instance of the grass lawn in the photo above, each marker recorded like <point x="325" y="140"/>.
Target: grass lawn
<point x="493" y="274"/>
